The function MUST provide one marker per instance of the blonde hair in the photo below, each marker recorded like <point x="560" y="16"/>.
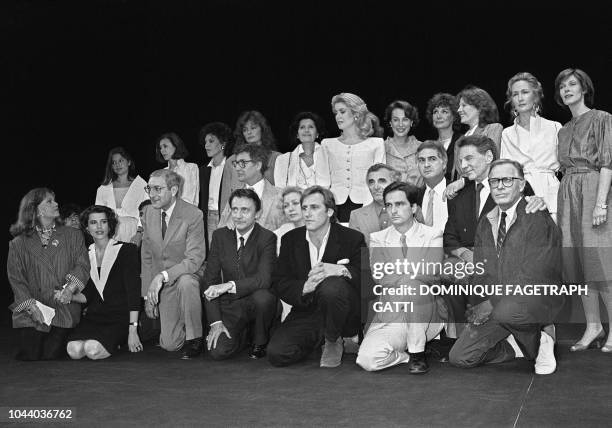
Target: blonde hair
<point x="366" y="122"/>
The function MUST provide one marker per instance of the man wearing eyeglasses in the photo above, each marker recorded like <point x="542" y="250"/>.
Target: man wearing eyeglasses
<point x="517" y="251"/>
<point x="250" y="164"/>
<point x="173" y="249"/>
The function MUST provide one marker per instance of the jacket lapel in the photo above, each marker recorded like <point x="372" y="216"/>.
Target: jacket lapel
<point x="45" y="255"/>
<point x="175" y="221"/>
<point x="108" y="260"/>
<point x="333" y="246"/>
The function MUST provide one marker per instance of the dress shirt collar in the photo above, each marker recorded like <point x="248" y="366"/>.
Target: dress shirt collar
<point x="316" y="254"/>
<point x="221" y="164"/>
<point x="245" y="236"/>
<point x="438" y="188"/>
<point x="395" y="235"/>
<point x="257" y="187"/>
<point x="510" y="213"/>
<point x="169" y="211"/>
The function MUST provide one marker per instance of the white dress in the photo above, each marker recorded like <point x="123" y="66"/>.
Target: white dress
<point x="536" y="150"/>
<point x="348" y="165"/>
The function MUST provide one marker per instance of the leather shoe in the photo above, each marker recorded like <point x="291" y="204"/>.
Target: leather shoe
<point x="332" y="353"/>
<point x="418" y="363"/>
<point x="192" y="348"/>
<point x="257" y="352"/>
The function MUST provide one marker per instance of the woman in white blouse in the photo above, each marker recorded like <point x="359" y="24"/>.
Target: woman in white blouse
<point x="351" y="154"/>
<point x="401" y="147"/>
<point x="532" y="140"/>
<point x="122" y="191"/>
<point x="170" y="148"/>
<point x="307" y="164"/>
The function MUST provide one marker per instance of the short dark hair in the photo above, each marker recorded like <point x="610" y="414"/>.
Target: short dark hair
<point x="257" y="154"/>
<point x="434" y="145"/>
<point x="222" y="132"/>
<point x="295" y="124"/>
<point x="443" y="99"/>
<point x="328" y="199"/>
<point x="515" y="164"/>
<point x="410" y="190"/>
<point x="410" y="111"/>
<point x="481" y="142"/>
<point x="267" y="137"/>
<point x="66" y="210"/>
<point x="111" y="217"/>
<point x="27" y="217"/>
<point x="109" y="174"/>
<point x="480" y="99"/>
<point x="585" y="82"/>
<point x="246" y="193"/>
<point x="395" y="174"/>
<point x="180" y="151"/>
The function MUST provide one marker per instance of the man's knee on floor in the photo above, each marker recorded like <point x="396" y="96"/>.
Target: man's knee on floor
<point x="369" y="359"/>
<point x="459" y="358"/>
<point x="282" y="354"/>
<point x="225" y="348"/>
<point x="170" y="343"/>
<point x="75" y="349"/>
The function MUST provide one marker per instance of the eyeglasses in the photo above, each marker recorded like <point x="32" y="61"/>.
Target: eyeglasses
<point x="506" y="181"/>
<point x="155" y="189"/>
<point x="241" y="163"/>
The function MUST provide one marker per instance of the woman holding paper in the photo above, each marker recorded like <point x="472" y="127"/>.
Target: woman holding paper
<point x="112" y="294"/>
<point x="47" y="264"/>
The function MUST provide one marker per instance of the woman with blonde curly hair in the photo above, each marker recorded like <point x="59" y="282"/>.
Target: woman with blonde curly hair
<point x="351" y="154"/>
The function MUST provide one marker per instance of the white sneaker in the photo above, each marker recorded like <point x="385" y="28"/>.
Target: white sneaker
<point x="545" y="361"/>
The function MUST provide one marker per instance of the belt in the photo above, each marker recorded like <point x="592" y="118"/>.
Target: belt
<point x="580" y="170"/>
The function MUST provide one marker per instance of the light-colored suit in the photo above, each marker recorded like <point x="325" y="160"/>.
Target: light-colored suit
<point x="390" y="334"/>
<point x="272" y="216"/>
<point x="365" y="220"/>
<point x="180" y="254"/>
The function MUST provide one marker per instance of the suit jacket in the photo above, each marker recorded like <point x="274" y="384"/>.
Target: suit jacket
<point x="253" y="273"/>
<point x="460" y="227"/>
<point x="181" y="251"/>
<point x="365" y="220"/>
<point x="530" y="254"/>
<point x="204" y="182"/>
<point x="35" y="273"/>
<point x="293" y="263"/>
<point x="272" y="215"/>
<point x="452" y="173"/>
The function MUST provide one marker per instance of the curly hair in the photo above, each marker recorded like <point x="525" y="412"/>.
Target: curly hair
<point x="256" y="118"/>
<point x="295" y="124"/>
<point x="222" y="132"/>
<point x="410" y="111"/>
<point x="443" y="99"/>
<point x="109" y="174"/>
<point x="27" y="216"/>
<point x="111" y="217"/>
<point x="585" y="82"/>
<point x="536" y="87"/>
<point x="180" y="151"/>
<point x="481" y="100"/>
<point x="367" y="123"/>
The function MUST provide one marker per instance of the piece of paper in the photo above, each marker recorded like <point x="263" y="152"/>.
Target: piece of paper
<point x="47" y="312"/>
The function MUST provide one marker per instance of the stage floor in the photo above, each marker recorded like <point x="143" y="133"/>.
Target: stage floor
<point x="156" y="388"/>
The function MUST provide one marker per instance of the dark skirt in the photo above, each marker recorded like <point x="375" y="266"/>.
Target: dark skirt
<point x="110" y="335"/>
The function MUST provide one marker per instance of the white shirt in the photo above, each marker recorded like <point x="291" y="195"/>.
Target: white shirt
<point x="440" y="210"/>
<point x="216" y="173"/>
<point x="316" y="254"/>
<point x="257" y="187"/>
<point x="484" y="194"/>
<point x="291" y="170"/>
<point x="191" y="176"/>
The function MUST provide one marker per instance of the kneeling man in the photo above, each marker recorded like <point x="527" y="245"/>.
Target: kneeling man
<point x="398" y="332"/>
<point x="517" y="250"/>
<point x="244" y="258"/>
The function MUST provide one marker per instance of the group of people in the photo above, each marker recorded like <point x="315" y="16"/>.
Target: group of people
<point x="282" y="253"/>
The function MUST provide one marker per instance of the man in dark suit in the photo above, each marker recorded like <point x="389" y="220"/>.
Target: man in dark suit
<point x="244" y="258"/>
<point x="373" y="217"/>
<point x="173" y="250"/>
<point x="518" y="249"/>
<point x="319" y="273"/>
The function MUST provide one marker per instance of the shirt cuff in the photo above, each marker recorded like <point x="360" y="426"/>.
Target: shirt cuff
<point x="216" y="322"/>
<point x="233" y="289"/>
<point x="165" y="275"/>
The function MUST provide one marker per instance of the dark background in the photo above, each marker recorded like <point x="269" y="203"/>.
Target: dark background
<point x="84" y="76"/>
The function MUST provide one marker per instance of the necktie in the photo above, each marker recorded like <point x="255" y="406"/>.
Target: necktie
<point x="241" y="248"/>
<point x="164" y="225"/>
<point x="404" y="245"/>
<point x="501" y="232"/>
<point x="429" y="214"/>
<point x="479" y="187"/>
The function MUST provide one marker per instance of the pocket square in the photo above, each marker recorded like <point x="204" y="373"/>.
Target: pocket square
<point x="343" y="262"/>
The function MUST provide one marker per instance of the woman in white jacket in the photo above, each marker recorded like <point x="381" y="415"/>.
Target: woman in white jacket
<point x="170" y="148"/>
<point x="122" y="191"/>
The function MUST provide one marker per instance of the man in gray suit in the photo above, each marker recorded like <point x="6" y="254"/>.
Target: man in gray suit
<point x="250" y="164"/>
<point x="373" y="217"/>
<point x="173" y="249"/>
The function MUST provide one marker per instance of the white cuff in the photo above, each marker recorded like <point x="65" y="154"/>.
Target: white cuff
<point x="165" y="275"/>
<point x="233" y="289"/>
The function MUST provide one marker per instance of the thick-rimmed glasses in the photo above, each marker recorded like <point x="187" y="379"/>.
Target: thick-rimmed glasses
<point x="505" y="181"/>
<point x="154" y="189"/>
<point x="241" y="163"/>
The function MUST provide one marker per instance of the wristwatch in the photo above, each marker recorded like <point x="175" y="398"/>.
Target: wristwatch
<point x="135" y="324"/>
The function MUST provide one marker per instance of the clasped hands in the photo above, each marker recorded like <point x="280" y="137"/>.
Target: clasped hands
<point x="319" y="272"/>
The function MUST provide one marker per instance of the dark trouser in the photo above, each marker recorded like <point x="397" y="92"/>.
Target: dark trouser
<point x="259" y="308"/>
<point x="336" y="314"/>
<point x="523" y="317"/>
<point x="36" y="345"/>
<point x="344" y="210"/>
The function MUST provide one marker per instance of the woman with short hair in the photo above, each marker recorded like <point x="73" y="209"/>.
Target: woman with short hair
<point x="171" y="149"/>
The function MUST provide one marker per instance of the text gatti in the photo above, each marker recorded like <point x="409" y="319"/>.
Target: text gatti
<point x="392" y="307"/>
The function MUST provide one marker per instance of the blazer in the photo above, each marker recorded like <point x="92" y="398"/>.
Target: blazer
<point x="530" y="254"/>
<point x="272" y="215"/>
<point x="254" y="271"/>
<point x="460" y="227"/>
<point x="183" y="249"/>
<point x="204" y="182"/>
<point x="287" y="168"/>
<point x="35" y="273"/>
<point x="293" y="264"/>
<point x="365" y="220"/>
